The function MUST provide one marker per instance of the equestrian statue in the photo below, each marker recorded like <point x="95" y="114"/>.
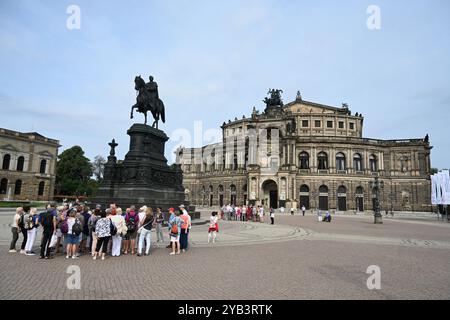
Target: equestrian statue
<point x="148" y="100"/>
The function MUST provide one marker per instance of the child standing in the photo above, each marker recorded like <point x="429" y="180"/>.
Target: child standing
<point x="213" y="227"/>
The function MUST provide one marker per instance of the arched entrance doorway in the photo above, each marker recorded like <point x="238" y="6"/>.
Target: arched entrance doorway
<point x="270" y="194"/>
<point x="360" y="199"/>
<point x="220" y="189"/>
<point x="342" y="198"/>
<point x="304" y="196"/>
<point x="233" y="194"/>
<point x="323" y="197"/>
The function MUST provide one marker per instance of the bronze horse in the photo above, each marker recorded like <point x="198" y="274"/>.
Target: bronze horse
<point x="148" y="101"/>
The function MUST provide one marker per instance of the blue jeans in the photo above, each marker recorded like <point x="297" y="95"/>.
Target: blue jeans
<point x="145" y="235"/>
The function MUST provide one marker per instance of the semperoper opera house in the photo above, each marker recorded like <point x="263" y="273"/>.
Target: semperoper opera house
<point x="28" y="165"/>
<point x="305" y="153"/>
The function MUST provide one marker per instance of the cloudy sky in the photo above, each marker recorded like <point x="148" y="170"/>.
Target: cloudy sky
<point x="215" y="60"/>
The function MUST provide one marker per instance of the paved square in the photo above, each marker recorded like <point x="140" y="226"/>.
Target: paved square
<point x="297" y="258"/>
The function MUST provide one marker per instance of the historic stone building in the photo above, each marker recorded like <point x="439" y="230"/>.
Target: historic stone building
<point x="305" y="153"/>
<point x="28" y="165"/>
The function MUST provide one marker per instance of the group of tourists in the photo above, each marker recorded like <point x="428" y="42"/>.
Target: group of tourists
<point x="75" y="229"/>
<point x="253" y="213"/>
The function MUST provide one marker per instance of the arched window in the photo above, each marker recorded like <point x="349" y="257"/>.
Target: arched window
<point x="203" y="190"/>
<point x="20" y="163"/>
<point x="322" y="161"/>
<point x="3" y="186"/>
<point x="340" y="161"/>
<point x="341" y="190"/>
<point x="359" y="190"/>
<point x="303" y="160"/>
<point x="235" y="162"/>
<point x="233" y="188"/>
<point x="18" y="187"/>
<point x="323" y="189"/>
<point x="41" y="188"/>
<point x="304" y="188"/>
<point x="357" y="162"/>
<point x="211" y="189"/>
<point x="43" y="166"/>
<point x="373" y="163"/>
<point x="6" y="162"/>
<point x="220" y="188"/>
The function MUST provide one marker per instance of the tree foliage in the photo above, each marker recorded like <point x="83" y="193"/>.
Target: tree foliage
<point x="98" y="167"/>
<point x="73" y="173"/>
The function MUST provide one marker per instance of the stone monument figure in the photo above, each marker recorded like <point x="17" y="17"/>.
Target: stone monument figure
<point x="113" y="146"/>
<point x="148" y="100"/>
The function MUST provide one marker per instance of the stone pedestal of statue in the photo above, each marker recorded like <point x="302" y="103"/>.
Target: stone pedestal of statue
<point x="143" y="177"/>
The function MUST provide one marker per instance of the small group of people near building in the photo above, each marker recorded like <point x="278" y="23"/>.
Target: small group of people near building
<point x="75" y="230"/>
<point x="253" y="213"/>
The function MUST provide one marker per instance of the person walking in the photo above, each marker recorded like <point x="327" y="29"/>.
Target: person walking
<point x="213" y="227"/>
<point x="303" y="210"/>
<point x="175" y="231"/>
<point x="159" y="225"/>
<point x="103" y="231"/>
<point x="84" y="245"/>
<point x="31" y="224"/>
<point x="119" y="222"/>
<point x="48" y="222"/>
<point x="146" y="232"/>
<point x="238" y="213"/>
<point x="91" y="225"/>
<point x="261" y="214"/>
<point x="15" y="229"/>
<point x="272" y="216"/>
<point x="185" y="227"/>
<point x="132" y="222"/>
<point x="26" y="212"/>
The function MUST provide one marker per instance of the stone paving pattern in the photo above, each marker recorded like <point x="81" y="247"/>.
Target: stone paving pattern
<point x="298" y="258"/>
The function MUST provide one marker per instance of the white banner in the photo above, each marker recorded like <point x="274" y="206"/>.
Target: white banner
<point x="445" y="185"/>
<point x="434" y="190"/>
<point x="438" y="188"/>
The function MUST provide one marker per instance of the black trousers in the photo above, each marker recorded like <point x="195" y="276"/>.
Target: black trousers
<point x="184" y="239"/>
<point x="15" y="233"/>
<point x="25" y="237"/>
<point x="273" y="220"/>
<point x="102" y="243"/>
<point x="46" y="238"/>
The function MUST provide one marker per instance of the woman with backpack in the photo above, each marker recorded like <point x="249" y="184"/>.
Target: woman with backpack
<point x="145" y="232"/>
<point x="26" y="211"/>
<point x="73" y="234"/>
<point x="31" y="225"/>
<point x="132" y="222"/>
<point x="175" y="231"/>
<point x="103" y="231"/>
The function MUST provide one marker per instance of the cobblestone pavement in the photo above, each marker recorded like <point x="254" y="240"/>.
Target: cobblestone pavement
<point x="298" y="258"/>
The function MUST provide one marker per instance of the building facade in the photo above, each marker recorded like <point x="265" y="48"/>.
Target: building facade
<point x="310" y="154"/>
<point x="28" y="166"/>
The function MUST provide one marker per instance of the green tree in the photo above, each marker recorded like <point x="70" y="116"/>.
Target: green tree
<point x="434" y="170"/>
<point x="73" y="173"/>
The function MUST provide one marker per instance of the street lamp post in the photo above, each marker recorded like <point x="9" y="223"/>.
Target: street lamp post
<point x="377" y="185"/>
